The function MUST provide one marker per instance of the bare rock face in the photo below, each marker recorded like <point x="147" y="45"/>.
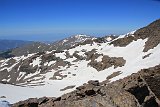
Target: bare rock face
<point x="106" y="62"/>
<point x="35" y="102"/>
<point x="152" y="79"/>
<point x="68" y="87"/>
<point x="122" y="42"/>
<point x="152" y="32"/>
<point x="138" y="90"/>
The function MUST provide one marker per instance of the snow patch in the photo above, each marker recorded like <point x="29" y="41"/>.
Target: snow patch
<point x="124" y="35"/>
<point x="51" y="62"/>
<point x="61" y="55"/>
<point x="36" y="61"/>
<point x="109" y="38"/>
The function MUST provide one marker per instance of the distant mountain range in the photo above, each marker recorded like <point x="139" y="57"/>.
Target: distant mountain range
<point x="10" y="44"/>
<point x="57" y="45"/>
<point x="18" y="49"/>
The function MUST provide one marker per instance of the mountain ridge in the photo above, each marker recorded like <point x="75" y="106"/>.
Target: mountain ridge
<point x="41" y="47"/>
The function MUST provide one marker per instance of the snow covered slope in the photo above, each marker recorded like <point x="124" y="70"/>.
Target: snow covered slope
<point x="4" y="104"/>
<point x="54" y="73"/>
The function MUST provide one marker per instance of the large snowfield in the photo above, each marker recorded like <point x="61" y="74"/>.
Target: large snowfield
<point x="80" y="72"/>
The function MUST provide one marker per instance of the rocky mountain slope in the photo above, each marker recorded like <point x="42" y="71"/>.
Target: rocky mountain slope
<point x="58" y="45"/>
<point x="54" y="73"/>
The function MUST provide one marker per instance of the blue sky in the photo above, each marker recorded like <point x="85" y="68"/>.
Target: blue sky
<point x="55" y="19"/>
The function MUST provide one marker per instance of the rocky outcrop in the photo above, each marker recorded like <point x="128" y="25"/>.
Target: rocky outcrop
<point x="152" y="79"/>
<point x="138" y="90"/>
<point x="152" y="32"/>
<point x="114" y="74"/>
<point x="106" y="62"/>
<point x="35" y="102"/>
<point x="122" y="42"/>
<point x="68" y="87"/>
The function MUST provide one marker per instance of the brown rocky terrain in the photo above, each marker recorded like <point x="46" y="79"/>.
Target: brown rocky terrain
<point x="107" y="62"/>
<point x="137" y="90"/>
<point x="152" y="32"/>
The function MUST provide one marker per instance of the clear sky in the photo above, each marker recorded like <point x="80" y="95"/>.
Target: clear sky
<point x="55" y="19"/>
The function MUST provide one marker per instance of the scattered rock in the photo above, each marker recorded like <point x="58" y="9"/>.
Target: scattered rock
<point x="145" y="56"/>
<point x="42" y="100"/>
<point x="68" y="87"/>
<point x="2" y="96"/>
<point x="114" y="74"/>
<point x="94" y="82"/>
